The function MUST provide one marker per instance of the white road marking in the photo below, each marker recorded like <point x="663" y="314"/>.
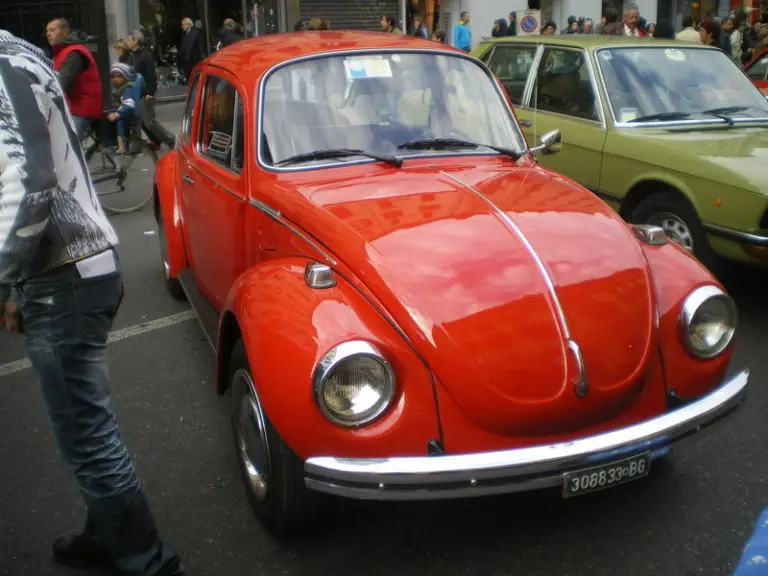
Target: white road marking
<point x="122" y="334"/>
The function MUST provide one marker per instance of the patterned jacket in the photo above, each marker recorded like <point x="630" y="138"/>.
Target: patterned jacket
<point x="49" y="211"/>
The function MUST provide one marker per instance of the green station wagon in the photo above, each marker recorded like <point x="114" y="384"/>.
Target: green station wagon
<point x="668" y="133"/>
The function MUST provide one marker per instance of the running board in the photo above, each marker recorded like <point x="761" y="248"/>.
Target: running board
<point x="206" y="314"/>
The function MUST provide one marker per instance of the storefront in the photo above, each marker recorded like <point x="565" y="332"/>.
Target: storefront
<point x="162" y="18"/>
<point x="350" y="14"/>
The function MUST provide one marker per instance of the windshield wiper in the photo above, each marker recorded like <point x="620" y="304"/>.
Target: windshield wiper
<point x="662" y="116"/>
<point x="448" y="143"/>
<point x="340" y="153"/>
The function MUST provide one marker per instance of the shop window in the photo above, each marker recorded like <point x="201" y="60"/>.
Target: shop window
<point x="564" y="85"/>
<point x="221" y="131"/>
<point x="512" y="65"/>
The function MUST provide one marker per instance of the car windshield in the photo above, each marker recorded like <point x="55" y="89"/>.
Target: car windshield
<point x="376" y="104"/>
<point x="680" y="83"/>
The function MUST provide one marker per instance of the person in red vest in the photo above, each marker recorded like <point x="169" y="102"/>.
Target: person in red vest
<point x="78" y="73"/>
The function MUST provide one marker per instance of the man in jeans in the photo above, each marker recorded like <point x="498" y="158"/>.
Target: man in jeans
<point x="60" y="285"/>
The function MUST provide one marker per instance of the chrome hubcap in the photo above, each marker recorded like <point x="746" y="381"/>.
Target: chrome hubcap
<point x="252" y="438"/>
<point x="675" y="229"/>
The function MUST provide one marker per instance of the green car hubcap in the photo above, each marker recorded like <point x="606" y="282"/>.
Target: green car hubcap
<point x="675" y="229"/>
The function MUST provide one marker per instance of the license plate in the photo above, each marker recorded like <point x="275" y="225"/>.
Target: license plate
<point x="606" y="476"/>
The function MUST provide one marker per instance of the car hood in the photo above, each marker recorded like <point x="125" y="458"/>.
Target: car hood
<point x="491" y="272"/>
<point x="729" y="156"/>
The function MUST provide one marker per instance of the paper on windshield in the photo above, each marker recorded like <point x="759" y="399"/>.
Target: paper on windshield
<point x="367" y="68"/>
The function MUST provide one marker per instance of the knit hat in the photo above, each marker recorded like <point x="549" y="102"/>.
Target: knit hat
<point x="123" y="69"/>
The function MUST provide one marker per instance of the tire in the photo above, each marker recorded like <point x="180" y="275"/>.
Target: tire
<point x="172" y="285"/>
<point x="276" y="493"/>
<point x="681" y="224"/>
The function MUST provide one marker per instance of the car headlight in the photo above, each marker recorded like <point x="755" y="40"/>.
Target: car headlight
<point x="353" y="384"/>
<point x="708" y="321"/>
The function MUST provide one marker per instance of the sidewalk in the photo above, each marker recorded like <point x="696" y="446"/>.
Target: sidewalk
<point x="174" y="93"/>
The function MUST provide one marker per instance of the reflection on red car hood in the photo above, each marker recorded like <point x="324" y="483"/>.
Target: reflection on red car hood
<point x="462" y="260"/>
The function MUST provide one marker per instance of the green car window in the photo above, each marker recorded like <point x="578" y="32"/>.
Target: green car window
<point x="564" y="85"/>
<point x="512" y="64"/>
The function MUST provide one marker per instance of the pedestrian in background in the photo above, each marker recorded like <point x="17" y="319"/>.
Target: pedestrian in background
<point x="78" y="73"/>
<point x="191" y="49"/>
<point x="438" y="36"/>
<point x="61" y="287"/>
<point x="419" y="28"/>
<point x="512" y="27"/>
<point x="124" y="54"/>
<point x="227" y="34"/>
<point x="462" y="34"/>
<point x="710" y="33"/>
<point x="389" y="24"/>
<point x="689" y="33"/>
<point x="664" y="30"/>
<point x="145" y="65"/>
<point x="499" y="28"/>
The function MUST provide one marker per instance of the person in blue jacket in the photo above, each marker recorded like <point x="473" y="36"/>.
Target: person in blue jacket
<point x="126" y="93"/>
<point x="462" y="35"/>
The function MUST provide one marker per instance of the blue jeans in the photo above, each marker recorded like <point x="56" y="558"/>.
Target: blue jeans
<point x="81" y="125"/>
<point x="66" y="322"/>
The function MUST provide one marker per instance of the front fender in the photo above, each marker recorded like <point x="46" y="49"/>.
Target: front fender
<point x="287" y="327"/>
<point x="675" y="274"/>
<point x="166" y="205"/>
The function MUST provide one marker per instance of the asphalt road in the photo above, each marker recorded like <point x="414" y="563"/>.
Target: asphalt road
<point x="691" y="516"/>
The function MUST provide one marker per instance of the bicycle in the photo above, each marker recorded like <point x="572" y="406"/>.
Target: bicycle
<point x="117" y="168"/>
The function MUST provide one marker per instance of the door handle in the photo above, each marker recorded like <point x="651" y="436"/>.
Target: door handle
<point x="526" y="123"/>
<point x="187" y="179"/>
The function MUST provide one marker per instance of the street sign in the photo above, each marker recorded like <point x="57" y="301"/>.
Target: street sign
<point x="528" y="22"/>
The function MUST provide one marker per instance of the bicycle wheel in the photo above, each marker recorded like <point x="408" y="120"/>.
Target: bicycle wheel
<point x="123" y="183"/>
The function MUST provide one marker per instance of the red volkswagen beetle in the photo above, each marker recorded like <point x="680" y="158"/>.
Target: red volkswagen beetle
<point x="757" y="70"/>
<point x="404" y="305"/>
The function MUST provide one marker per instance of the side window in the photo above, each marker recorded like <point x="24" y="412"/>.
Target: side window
<point x="512" y="64"/>
<point x="189" y="108"/>
<point x="759" y="70"/>
<point x="221" y="128"/>
<point x="563" y="85"/>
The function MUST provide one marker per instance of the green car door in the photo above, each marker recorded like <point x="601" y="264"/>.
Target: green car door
<point x="553" y="88"/>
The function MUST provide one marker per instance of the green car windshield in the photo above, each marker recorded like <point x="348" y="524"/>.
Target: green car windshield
<point x="680" y="83"/>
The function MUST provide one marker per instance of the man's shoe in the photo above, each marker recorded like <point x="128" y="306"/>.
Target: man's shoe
<point x="80" y="551"/>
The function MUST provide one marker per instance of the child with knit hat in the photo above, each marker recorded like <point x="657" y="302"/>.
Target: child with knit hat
<point x="125" y="96"/>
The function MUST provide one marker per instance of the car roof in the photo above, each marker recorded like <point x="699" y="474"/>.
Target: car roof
<point x="594" y="41"/>
<point x="254" y="56"/>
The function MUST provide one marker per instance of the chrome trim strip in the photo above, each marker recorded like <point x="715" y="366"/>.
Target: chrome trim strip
<point x="520" y="469"/>
<point x="580" y="386"/>
<point x="668" y="123"/>
<point x="523" y="146"/>
<point x="277" y="217"/>
<point x="268" y="210"/>
<point x="532" y="76"/>
<point x="539" y="263"/>
<point x="745" y="237"/>
<point x="218" y="184"/>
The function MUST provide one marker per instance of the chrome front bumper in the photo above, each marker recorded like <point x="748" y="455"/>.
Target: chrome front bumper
<point x="520" y="469"/>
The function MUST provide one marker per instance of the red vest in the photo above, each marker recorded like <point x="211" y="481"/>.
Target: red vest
<point x="84" y="96"/>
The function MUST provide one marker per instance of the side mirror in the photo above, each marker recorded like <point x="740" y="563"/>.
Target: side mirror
<point x="547" y="143"/>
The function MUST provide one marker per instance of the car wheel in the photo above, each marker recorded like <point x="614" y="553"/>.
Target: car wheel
<point x="172" y="285"/>
<point x="680" y="223"/>
<point x="273" y="475"/>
